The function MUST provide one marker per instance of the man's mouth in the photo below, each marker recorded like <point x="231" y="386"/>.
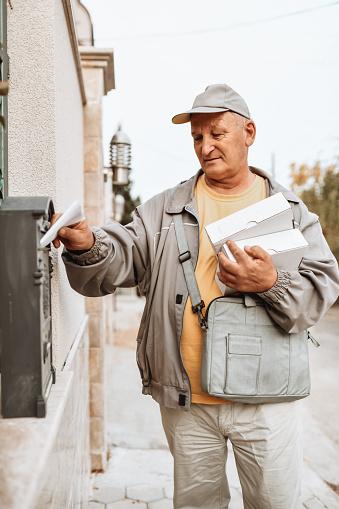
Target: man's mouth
<point x="211" y="159"/>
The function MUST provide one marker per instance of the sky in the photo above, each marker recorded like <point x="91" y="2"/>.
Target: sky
<point x="281" y="57"/>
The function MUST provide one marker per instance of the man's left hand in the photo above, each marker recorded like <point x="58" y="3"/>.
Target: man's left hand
<point x="252" y="272"/>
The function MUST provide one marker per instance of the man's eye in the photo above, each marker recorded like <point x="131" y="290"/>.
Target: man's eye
<point x="216" y="135"/>
<point x="197" y="138"/>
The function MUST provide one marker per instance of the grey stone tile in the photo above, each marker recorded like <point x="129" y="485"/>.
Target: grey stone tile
<point x="145" y="492"/>
<point x="165" y="503"/>
<point x="314" y="503"/>
<point x="322" y="493"/>
<point x="331" y="504"/>
<point x="127" y="504"/>
<point x="95" y="505"/>
<point x="107" y="494"/>
<point x="169" y="491"/>
<point x="306" y="494"/>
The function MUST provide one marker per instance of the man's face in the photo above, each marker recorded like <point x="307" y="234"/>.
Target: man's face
<point x="221" y="142"/>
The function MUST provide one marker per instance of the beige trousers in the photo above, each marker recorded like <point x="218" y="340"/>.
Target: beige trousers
<point x="267" y="446"/>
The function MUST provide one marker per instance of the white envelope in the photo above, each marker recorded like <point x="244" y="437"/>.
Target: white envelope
<point x="72" y="215"/>
<point x="270" y="215"/>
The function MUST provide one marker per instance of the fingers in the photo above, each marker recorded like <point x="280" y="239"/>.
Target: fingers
<point x="55" y="217"/>
<point x="69" y="232"/>
<point x="238" y="253"/>
<point x="229" y="270"/>
<point x="256" y="252"/>
<point x="228" y="279"/>
<point x="253" y="270"/>
<point x="77" y="236"/>
<point x="226" y="265"/>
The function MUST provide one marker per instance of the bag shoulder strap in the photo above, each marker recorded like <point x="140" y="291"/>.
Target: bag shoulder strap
<point x="186" y="262"/>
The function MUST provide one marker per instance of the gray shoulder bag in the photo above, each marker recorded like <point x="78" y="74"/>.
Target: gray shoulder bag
<point x="246" y="356"/>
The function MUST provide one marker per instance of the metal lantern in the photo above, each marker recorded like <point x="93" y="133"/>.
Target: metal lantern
<point x="119" y="205"/>
<point x="120" y="157"/>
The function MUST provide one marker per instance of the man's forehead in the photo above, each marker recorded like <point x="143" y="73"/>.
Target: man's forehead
<point x="199" y="120"/>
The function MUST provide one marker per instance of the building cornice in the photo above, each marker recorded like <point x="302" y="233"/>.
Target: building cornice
<point x="74" y="43"/>
<point x="103" y="58"/>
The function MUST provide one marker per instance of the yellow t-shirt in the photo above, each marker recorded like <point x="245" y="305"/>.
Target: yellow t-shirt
<point x="212" y="206"/>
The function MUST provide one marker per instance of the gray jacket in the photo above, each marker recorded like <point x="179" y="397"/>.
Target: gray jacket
<point x="145" y="253"/>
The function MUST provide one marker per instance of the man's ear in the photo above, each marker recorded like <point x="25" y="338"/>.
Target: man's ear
<point x="250" y="132"/>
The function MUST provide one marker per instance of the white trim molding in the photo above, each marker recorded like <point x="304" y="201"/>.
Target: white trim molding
<point x="74" y="43"/>
<point x="102" y="58"/>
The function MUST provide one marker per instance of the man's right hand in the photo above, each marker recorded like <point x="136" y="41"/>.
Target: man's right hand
<point x="76" y="237"/>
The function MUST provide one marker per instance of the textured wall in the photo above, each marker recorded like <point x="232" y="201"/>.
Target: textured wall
<point x="70" y="454"/>
<point x="46" y="134"/>
<point x="69" y="173"/>
<point x="44" y="463"/>
<point x="31" y="100"/>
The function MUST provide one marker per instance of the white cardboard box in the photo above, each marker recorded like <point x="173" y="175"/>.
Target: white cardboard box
<point x="270" y="215"/>
<point x="287" y="249"/>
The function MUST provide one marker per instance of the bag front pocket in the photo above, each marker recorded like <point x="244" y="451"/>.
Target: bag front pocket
<point x="243" y="360"/>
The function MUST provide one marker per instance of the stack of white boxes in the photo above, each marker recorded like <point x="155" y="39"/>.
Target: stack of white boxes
<point x="268" y="224"/>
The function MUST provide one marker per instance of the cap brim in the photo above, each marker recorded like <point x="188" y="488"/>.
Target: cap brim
<point x="182" y="118"/>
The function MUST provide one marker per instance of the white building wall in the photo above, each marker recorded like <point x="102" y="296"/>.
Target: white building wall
<point x="69" y="171"/>
<point x="45" y="133"/>
<point x="31" y="100"/>
<point x="46" y="462"/>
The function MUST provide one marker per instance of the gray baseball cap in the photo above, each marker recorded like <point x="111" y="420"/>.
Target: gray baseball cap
<point x="216" y="98"/>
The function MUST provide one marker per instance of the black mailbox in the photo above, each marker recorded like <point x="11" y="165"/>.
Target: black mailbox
<point x="27" y="371"/>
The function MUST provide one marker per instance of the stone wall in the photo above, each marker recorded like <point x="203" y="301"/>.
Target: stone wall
<point x="98" y="73"/>
<point x="45" y="135"/>
<point x="44" y="463"/>
<point x="95" y="307"/>
<point x="66" y="482"/>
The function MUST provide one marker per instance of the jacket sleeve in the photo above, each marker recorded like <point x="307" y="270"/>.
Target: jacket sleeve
<point x="119" y="258"/>
<point x="300" y="297"/>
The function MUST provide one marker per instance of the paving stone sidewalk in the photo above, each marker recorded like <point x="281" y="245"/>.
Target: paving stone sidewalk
<point x="140" y="470"/>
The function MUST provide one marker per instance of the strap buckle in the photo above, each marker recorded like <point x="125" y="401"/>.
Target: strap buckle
<point x="183" y="257"/>
<point x="201" y="317"/>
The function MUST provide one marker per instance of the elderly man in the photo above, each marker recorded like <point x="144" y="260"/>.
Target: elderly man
<point x="266" y="438"/>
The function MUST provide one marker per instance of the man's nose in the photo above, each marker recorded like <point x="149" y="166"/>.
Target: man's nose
<point x="207" y="146"/>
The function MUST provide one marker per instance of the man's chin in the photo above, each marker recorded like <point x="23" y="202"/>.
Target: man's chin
<point x="215" y="171"/>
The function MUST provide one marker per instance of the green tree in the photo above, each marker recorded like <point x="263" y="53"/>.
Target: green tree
<point x="130" y="203"/>
<point x="319" y="189"/>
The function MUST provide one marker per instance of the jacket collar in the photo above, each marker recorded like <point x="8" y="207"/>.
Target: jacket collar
<point x="183" y="194"/>
<point x="274" y="187"/>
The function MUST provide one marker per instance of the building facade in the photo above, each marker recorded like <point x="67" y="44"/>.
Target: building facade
<point x="57" y="80"/>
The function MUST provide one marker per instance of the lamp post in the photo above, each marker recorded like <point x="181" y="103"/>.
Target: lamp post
<point x="120" y="157"/>
<point x="117" y="174"/>
<point x="118" y="207"/>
